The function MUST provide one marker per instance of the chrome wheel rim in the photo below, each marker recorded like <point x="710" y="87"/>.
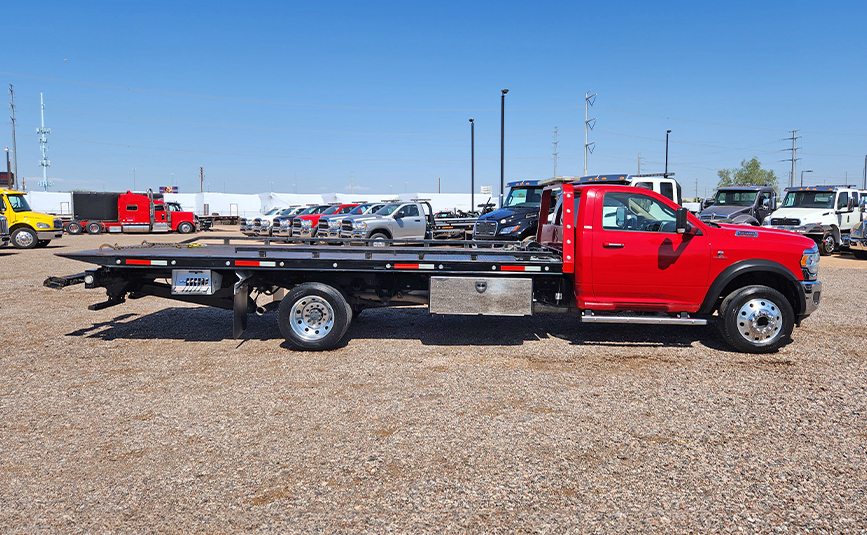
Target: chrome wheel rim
<point x="828" y="244"/>
<point x="759" y="320"/>
<point x="24" y="239"/>
<point x="312" y="318"/>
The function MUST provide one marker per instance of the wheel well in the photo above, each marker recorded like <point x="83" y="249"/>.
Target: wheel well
<point x="380" y="231"/>
<point x="17" y="226"/>
<point x="763" y="278"/>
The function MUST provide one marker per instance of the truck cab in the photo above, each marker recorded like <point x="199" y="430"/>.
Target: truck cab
<point x="517" y="219"/>
<point x="825" y="214"/>
<point x="741" y="205"/>
<point x="28" y="229"/>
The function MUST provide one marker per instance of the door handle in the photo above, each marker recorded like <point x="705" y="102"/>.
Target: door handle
<point x="610" y="245"/>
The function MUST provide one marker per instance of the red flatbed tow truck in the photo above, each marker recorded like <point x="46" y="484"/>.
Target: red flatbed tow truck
<point x="608" y="252"/>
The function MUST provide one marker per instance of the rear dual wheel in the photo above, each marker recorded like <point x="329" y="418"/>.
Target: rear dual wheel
<point x="314" y="316"/>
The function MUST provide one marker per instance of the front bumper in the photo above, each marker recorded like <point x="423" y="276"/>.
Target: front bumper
<point x="304" y="232"/>
<point x="263" y="231"/>
<point x="812" y="295"/>
<point x="283" y="232"/>
<point x="354" y="234"/>
<point x="4" y="241"/>
<point x="858" y="244"/>
<point x="49" y="234"/>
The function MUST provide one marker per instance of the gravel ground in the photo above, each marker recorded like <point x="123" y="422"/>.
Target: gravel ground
<point x="149" y="418"/>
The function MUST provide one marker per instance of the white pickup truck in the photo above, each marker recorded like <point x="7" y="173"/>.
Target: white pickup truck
<point x="827" y="214"/>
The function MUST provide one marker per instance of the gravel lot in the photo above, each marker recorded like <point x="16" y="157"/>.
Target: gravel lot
<point x="149" y="418"/>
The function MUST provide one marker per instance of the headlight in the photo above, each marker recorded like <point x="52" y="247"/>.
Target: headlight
<point x="509" y="230"/>
<point x="359" y="225"/>
<point x="43" y="226"/>
<point x="767" y="222"/>
<point x="810" y="263"/>
<point x="306" y="223"/>
<point x="334" y="223"/>
<point x="286" y="223"/>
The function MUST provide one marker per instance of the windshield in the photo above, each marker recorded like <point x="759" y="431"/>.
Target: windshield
<point x="173" y="207"/>
<point x="735" y="198"/>
<point x="388" y="209"/>
<point x="273" y="211"/>
<point x="308" y="210"/>
<point x="360" y="209"/>
<point x="19" y="203"/>
<point x="330" y="210"/>
<point x="809" y="199"/>
<point x="524" y="197"/>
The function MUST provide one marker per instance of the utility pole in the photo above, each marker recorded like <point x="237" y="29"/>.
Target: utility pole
<point x="14" y="145"/>
<point x="439" y="184"/>
<point x="473" y="165"/>
<point x="502" y="141"/>
<point x="555" y="151"/>
<point x="639" y="163"/>
<point x="794" y="157"/>
<point x="863" y="186"/>
<point x="201" y="179"/>
<point x="351" y="181"/>
<point x="589" y="100"/>
<point x="43" y="141"/>
<point x="665" y="175"/>
<point x="696" y="189"/>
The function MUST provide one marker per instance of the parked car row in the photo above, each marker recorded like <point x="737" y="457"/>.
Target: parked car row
<point x="378" y="221"/>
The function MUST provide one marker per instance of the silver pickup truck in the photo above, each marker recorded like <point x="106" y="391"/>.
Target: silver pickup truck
<point x="394" y="221"/>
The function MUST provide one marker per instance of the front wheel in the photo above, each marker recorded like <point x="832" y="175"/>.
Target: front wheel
<point x="826" y="246"/>
<point x="756" y="319"/>
<point x="24" y="238"/>
<point x="379" y="239"/>
<point x="185" y="227"/>
<point x="314" y="316"/>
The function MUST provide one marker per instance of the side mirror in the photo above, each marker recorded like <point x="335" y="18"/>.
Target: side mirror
<point x="706" y="203"/>
<point x="400" y="214"/>
<point x="620" y="216"/>
<point x="863" y="204"/>
<point x="766" y="204"/>
<point x="681" y="221"/>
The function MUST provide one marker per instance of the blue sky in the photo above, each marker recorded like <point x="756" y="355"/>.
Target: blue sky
<point x="302" y="95"/>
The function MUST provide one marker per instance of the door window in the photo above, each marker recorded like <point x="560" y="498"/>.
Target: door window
<point x="667" y="190"/>
<point x="637" y="212"/>
<point x="843" y="201"/>
<point x="411" y="210"/>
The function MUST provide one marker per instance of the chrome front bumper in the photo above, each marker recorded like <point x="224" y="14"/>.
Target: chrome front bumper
<point x="284" y="232"/>
<point x="858" y="244"/>
<point x="812" y="295"/>
<point x="49" y="234"/>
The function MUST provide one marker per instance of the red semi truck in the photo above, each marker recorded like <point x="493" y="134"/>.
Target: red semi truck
<point x="98" y="212"/>
<point x="605" y="251"/>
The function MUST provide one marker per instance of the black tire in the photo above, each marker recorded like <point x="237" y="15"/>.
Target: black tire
<point x="379" y="239"/>
<point x="24" y="238"/>
<point x="42" y="243"/>
<point x="826" y="246"/>
<point x="185" y="227"/>
<point x="93" y="228"/>
<point x="74" y="228"/>
<point x="860" y="255"/>
<point x="756" y="319"/>
<point x="314" y="316"/>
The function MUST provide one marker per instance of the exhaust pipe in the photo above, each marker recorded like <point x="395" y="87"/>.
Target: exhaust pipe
<point x="268" y="307"/>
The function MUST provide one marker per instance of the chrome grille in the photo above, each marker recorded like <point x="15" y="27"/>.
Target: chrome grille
<point x="485" y="228"/>
<point x="785" y="221"/>
<point x="296" y="224"/>
<point x="58" y="224"/>
<point x="346" y="225"/>
<point x="4" y="226"/>
<point x="323" y="224"/>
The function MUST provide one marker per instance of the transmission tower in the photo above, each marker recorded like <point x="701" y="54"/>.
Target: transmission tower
<point x="794" y="157"/>
<point x="589" y="100"/>
<point x="556" y="143"/>
<point x="14" y="145"/>
<point x="43" y="142"/>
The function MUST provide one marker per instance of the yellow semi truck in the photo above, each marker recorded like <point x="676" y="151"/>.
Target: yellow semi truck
<point x="28" y="229"/>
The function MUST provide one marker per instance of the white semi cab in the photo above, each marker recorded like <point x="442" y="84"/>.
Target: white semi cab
<point x="827" y="214"/>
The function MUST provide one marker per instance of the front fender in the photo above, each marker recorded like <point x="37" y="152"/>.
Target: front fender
<point x="755" y="270"/>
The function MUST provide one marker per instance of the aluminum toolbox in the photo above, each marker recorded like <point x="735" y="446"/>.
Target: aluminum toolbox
<point x="488" y="296"/>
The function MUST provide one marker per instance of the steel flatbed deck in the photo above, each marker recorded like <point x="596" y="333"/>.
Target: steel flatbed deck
<point x="431" y="256"/>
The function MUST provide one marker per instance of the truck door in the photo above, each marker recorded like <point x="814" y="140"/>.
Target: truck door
<point x="411" y="225"/>
<point x="160" y="214"/>
<point x="638" y="258"/>
<point x="844" y="216"/>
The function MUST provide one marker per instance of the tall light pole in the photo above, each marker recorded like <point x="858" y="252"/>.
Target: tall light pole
<point x="802" y="176"/>
<point x="472" y="165"/>
<point x="133" y="179"/>
<point x="665" y="175"/>
<point x="502" y="141"/>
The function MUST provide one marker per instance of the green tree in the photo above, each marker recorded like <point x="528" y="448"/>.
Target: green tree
<point x="749" y="173"/>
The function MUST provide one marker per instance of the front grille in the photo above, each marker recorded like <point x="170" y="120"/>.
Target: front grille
<point x="296" y="223"/>
<point x="58" y="224"/>
<point x="485" y="228"/>
<point x="785" y="221"/>
<point x="346" y="225"/>
<point x="323" y="224"/>
<point x="4" y="226"/>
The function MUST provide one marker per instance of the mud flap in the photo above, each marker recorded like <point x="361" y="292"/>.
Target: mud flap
<point x="241" y="304"/>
